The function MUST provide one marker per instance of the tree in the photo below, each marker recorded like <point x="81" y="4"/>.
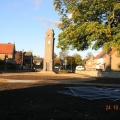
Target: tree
<point x="18" y="57"/>
<point x="88" y="56"/>
<point x="78" y="59"/>
<point x="56" y="61"/>
<point x="70" y="60"/>
<point x="55" y="55"/>
<point x="94" y="23"/>
<point x="62" y="54"/>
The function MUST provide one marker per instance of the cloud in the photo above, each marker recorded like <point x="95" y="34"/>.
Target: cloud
<point x="48" y="22"/>
<point x="37" y="3"/>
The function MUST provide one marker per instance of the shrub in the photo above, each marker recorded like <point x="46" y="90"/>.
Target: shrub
<point x="2" y="67"/>
<point x="9" y="67"/>
<point x="2" y="62"/>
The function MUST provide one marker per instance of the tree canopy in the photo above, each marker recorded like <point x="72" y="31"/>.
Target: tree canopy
<point x="78" y="59"/>
<point x="93" y="23"/>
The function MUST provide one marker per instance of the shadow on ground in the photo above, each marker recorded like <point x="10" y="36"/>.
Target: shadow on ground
<point x="105" y="80"/>
<point x="43" y="102"/>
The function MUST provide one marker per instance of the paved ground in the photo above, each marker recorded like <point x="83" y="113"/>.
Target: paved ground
<point x="39" y="100"/>
<point x="47" y="78"/>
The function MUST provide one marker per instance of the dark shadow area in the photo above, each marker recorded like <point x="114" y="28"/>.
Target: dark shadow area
<point x="105" y="80"/>
<point x="43" y="102"/>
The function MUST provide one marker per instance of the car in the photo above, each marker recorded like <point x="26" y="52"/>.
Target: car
<point x="80" y="68"/>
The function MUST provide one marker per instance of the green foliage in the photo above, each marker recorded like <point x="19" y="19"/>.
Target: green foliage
<point x="2" y="62"/>
<point x="78" y="59"/>
<point x="70" y="60"/>
<point x="94" y="23"/>
<point x="10" y="66"/>
<point x="2" y="67"/>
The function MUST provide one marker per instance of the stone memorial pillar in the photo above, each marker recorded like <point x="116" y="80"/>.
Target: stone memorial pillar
<point x="49" y="51"/>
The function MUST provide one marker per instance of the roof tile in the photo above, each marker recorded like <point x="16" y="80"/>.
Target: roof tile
<point x="6" y="48"/>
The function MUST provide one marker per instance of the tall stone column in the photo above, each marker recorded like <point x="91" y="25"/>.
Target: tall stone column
<point x="49" y="51"/>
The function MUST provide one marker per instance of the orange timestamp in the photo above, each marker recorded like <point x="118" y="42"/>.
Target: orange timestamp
<point x="110" y="107"/>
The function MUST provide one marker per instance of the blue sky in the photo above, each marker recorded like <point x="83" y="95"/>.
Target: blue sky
<point x="24" y="22"/>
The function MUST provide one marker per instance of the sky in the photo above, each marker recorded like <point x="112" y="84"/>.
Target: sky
<point x="24" y="22"/>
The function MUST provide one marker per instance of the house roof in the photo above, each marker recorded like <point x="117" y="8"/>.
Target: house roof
<point x="27" y="53"/>
<point x="6" y="48"/>
<point x="103" y="54"/>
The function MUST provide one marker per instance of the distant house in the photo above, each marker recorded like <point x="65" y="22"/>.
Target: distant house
<point x="89" y="63"/>
<point x="37" y="60"/>
<point x="7" y="52"/>
<point x="115" y="61"/>
<point x="23" y="60"/>
<point x="99" y="62"/>
<point x="27" y="60"/>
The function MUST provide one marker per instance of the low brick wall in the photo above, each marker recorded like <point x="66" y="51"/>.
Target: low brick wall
<point x="110" y="74"/>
